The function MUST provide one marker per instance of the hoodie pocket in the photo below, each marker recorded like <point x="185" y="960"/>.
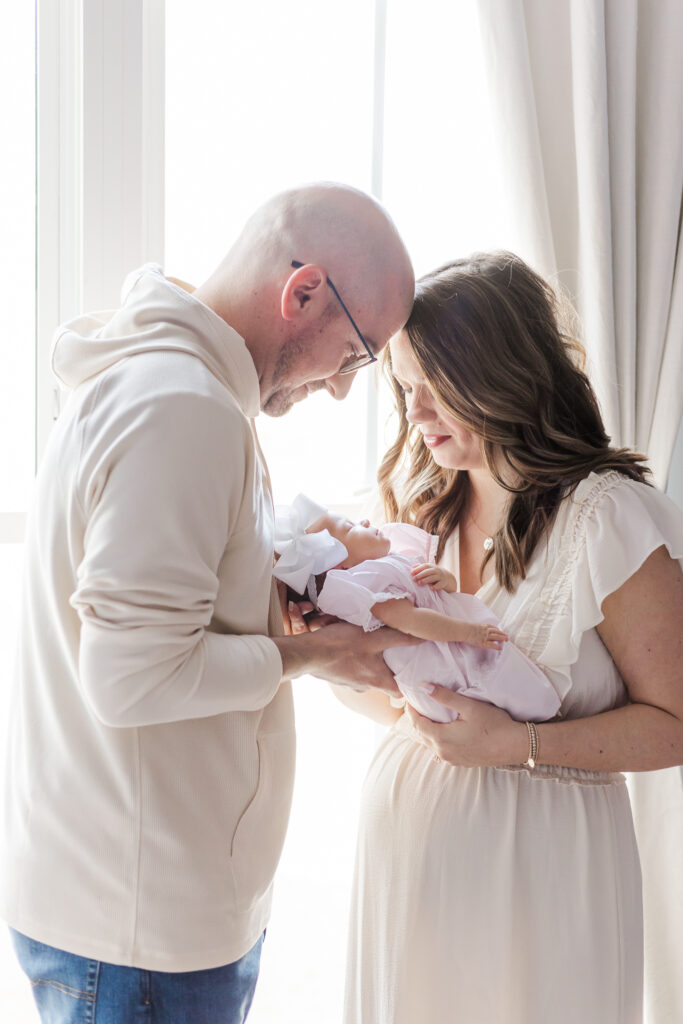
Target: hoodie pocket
<point x="260" y="833"/>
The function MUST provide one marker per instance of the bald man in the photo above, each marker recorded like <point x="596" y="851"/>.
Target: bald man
<point x="152" y="759"/>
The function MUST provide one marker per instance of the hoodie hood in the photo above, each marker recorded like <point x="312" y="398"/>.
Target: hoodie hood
<point x="156" y="315"/>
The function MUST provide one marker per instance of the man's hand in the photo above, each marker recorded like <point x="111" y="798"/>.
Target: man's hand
<point x="296" y="615"/>
<point x="343" y="655"/>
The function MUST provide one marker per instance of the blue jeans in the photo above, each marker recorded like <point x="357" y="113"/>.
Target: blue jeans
<point x="71" y="989"/>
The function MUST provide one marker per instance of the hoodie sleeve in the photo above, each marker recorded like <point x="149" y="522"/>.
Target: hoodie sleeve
<point x="161" y="496"/>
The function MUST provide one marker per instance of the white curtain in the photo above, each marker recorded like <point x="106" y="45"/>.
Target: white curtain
<point x="588" y="101"/>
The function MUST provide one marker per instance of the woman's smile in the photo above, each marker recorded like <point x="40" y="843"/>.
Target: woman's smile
<point x="433" y="440"/>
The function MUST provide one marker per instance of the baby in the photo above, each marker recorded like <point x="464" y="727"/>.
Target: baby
<point x="387" y="577"/>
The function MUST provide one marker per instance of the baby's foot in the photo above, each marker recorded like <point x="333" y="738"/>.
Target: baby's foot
<point x="489" y="637"/>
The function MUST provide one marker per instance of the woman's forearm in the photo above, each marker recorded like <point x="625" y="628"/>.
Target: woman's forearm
<point x="634" y="738"/>
<point x="372" y="703"/>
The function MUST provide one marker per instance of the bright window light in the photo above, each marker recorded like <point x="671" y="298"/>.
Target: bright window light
<point x="260" y="97"/>
<point x="17" y="256"/>
<point x="17" y="378"/>
<point x="442" y="175"/>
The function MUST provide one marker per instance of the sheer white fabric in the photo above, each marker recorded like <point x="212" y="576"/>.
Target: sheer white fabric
<point x="587" y="95"/>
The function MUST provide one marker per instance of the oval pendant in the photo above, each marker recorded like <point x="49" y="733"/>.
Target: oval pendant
<point x="488" y="543"/>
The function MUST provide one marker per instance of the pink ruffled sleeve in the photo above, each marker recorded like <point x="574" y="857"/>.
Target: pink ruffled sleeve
<point x="411" y="541"/>
<point x="350" y="593"/>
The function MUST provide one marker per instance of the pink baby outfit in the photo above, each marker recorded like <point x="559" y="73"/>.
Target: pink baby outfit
<point x="506" y="678"/>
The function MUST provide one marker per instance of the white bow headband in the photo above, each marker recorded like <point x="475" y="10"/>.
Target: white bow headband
<point x="302" y="554"/>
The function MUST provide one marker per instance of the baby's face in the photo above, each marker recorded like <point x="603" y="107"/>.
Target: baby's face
<point x="361" y="540"/>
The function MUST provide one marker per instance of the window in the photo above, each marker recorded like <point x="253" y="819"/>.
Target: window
<point x="17" y="374"/>
<point x="258" y="100"/>
<point x="160" y="133"/>
<point x="17" y="268"/>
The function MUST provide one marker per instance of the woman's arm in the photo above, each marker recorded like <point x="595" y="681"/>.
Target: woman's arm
<point x="373" y="704"/>
<point x="643" y="631"/>
<point x="426" y="624"/>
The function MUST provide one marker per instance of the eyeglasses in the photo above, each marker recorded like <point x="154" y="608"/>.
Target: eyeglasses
<point x="362" y="360"/>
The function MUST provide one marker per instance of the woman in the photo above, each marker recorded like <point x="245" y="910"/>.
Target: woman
<point x="498" y="879"/>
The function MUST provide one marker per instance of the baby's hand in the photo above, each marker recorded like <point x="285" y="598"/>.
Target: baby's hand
<point x="435" y="577"/>
<point x="489" y="637"/>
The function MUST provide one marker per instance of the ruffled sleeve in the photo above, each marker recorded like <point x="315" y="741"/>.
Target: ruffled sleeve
<point x="411" y="541"/>
<point x="609" y="528"/>
<point x="350" y="593"/>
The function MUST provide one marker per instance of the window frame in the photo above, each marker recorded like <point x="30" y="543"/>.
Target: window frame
<point x="101" y="65"/>
<point x="100" y="94"/>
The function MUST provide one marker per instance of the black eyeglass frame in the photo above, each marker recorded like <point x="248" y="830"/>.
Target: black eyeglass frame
<point x="360" y="361"/>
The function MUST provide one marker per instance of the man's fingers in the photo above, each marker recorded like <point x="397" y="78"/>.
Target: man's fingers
<point x="316" y="622"/>
<point x="390" y="686"/>
<point x="380" y="679"/>
<point x="282" y="597"/>
<point x="297" y="622"/>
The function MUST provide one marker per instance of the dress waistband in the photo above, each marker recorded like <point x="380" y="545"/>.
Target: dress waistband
<point x="568" y="776"/>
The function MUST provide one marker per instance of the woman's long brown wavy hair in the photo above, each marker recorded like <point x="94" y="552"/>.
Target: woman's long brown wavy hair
<point x="486" y="332"/>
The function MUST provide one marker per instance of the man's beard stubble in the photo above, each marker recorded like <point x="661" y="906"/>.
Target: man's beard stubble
<point x="280" y="402"/>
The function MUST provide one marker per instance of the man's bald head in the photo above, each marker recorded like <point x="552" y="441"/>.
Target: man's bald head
<point x="290" y="319"/>
<point x="339" y="227"/>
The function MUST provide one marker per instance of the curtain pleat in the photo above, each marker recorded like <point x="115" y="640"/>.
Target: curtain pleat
<point x="588" y="97"/>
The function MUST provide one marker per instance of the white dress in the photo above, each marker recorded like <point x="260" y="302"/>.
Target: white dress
<point x="501" y="895"/>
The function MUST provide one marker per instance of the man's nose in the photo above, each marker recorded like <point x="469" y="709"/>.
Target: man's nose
<point x="339" y="385"/>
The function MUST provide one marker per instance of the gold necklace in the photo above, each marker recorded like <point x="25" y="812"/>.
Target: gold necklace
<point x="488" y="540"/>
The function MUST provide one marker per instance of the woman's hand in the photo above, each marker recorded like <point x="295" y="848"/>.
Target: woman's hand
<point x="481" y="735"/>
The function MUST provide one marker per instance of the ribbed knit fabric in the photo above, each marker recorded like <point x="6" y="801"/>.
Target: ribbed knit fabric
<point x="151" y="749"/>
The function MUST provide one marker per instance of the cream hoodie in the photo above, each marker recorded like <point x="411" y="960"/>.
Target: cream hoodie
<point x="151" y="751"/>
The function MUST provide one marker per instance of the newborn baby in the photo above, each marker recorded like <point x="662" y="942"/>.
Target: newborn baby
<point x="387" y="577"/>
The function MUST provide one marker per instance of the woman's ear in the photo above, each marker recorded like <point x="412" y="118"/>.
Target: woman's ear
<point x="304" y="293"/>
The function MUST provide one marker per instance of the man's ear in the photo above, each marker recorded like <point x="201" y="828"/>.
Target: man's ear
<point x="304" y="293"/>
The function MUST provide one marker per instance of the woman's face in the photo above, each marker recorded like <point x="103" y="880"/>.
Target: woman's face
<point x="452" y="445"/>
